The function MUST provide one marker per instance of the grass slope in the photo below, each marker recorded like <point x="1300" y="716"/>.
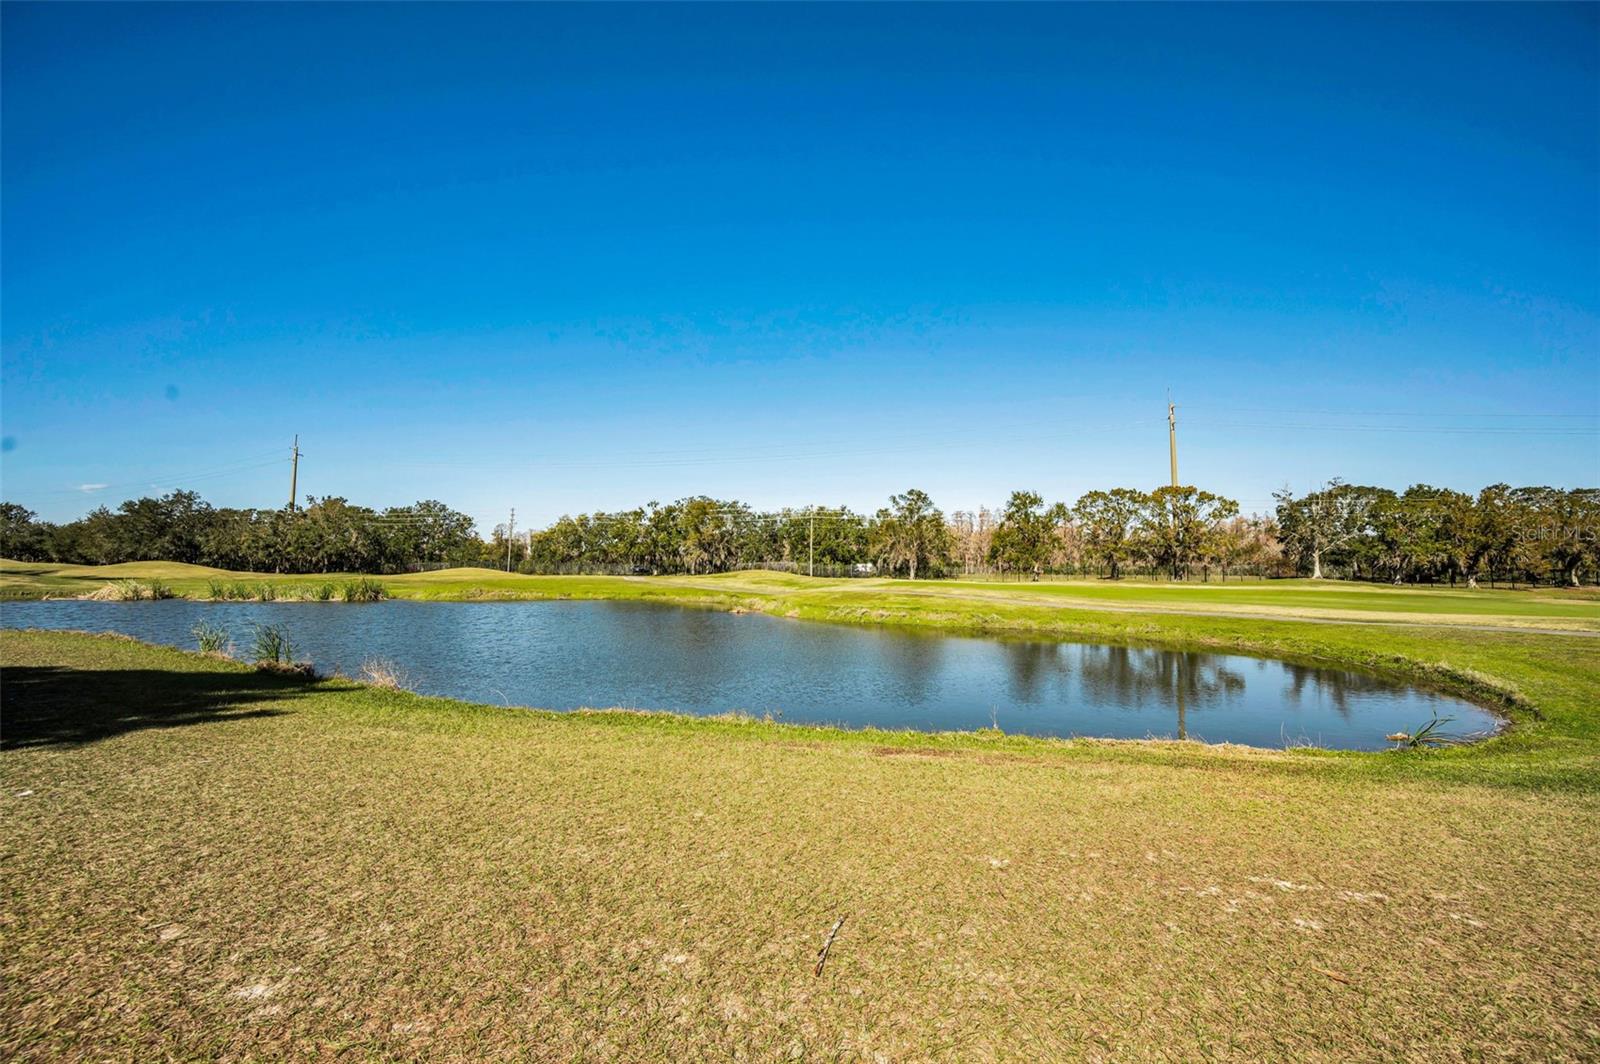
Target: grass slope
<point x="204" y="862"/>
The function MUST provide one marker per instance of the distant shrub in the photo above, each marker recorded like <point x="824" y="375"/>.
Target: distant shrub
<point x="155" y="589"/>
<point x="364" y="589"/>
<point x="216" y="589"/>
<point x="213" y="639"/>
<point x="266" y="592"/>
<point x="323" y="592"/>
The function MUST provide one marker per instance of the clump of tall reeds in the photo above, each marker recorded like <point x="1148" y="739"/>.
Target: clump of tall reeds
<point x="242" y="591"/>
<point x="362" y="589"/>
<point x="213" y="639"/>
<point x="274" y="651"/>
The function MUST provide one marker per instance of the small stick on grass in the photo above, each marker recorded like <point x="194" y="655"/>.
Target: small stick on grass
<point x="822" y="954"/>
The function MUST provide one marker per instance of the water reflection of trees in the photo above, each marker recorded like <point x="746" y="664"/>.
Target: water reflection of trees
<point x="1131" y="676"/>
<point x="1029" y="665"/>
<point x="1336" y="687"/>
<point x="915" y="661"/>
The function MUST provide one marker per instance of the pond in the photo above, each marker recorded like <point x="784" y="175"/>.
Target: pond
<point x="566" y="655"/>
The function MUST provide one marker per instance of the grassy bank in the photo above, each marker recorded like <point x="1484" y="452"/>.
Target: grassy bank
<point x="1551" y="609"/>
<point x="208" y="862"/>
<point x="1532" y="655"/>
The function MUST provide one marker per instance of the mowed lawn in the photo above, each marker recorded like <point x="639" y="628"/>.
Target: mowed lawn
<point x="1543" y="608"/>
<point x="206" y="862"/>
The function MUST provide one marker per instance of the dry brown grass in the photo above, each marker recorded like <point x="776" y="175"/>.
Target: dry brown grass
<point x="372" y="875"/>
<point x="380" y="672"/>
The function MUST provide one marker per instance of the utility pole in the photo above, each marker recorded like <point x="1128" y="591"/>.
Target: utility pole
<point x="511" y="527"/>
<point x="1172" y="437"/>
<point x="294" y="471"/>
<point x="811" y="545"/>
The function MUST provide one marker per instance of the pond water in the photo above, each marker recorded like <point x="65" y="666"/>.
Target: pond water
<point x="566" y="655"/>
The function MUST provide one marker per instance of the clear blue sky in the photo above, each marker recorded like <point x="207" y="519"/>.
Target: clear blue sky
<point x="567" y="258"/>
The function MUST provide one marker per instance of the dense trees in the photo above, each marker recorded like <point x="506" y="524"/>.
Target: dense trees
<point x="1181" y="528"/>
<point x="1323" y="521"/>
<point x="1026" y="539"/>
<point x="1532" y="534"/>
<point x="910" y="535"/>
<point x="1106" y="523"/>
<point x="327" y="535"/>
<point x="1431" y="534"/>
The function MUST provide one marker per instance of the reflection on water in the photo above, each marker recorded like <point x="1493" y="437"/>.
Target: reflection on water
<point x="570" y="654"/>
<point x="1178" y="678"/>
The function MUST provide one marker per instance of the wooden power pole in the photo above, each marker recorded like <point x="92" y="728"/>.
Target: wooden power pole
<point x="811" y="545"/>
<point x="294" y="471"/>
<point x="511" y="527"/>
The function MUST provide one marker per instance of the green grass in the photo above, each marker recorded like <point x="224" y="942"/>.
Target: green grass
<point x="206" y="862"/>
<point x="981" y="601"/>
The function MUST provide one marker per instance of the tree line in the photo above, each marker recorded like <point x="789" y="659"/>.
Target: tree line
<point x="1533" y="534"/>
<point x="327" y="535"/>
<point x="1422" y="534"/>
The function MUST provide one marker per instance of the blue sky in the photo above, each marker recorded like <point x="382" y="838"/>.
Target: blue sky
<point x="566" y="258"/>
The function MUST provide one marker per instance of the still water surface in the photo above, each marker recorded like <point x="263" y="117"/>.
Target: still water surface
<point x="566" y="655"/>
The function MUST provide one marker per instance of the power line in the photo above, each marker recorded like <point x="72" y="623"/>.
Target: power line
<point x="1389" y="413"/>
<point x="242" y="465"/>
<point x="1470" y="430"/>
<point x="723" y="457"/>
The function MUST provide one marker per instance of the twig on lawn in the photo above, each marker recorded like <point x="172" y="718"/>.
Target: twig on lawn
<point x="1335" y="976"/>
<point x="822" y="954"/>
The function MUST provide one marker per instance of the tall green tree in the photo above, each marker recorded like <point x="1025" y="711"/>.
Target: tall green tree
<point x="707" y="540"/>
<point x="1107" y="521"/>
<point x="833" y="536"/>
<point x="22" y="537"/>
<point x="910" y="535"/>
<point x="1180" y="526"/>
<point x="1323" y="521"/>
<point x="1026" y="536"/>
<point x="1567" y="530"/>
